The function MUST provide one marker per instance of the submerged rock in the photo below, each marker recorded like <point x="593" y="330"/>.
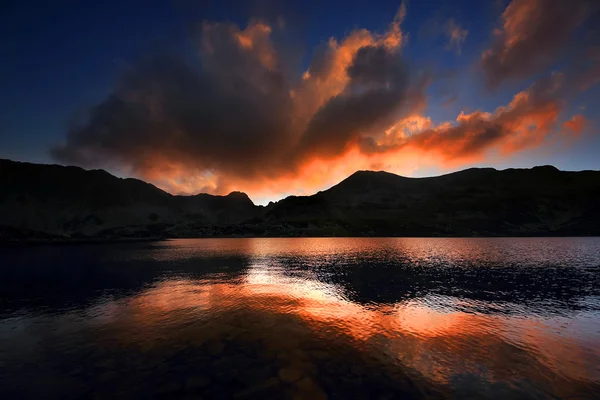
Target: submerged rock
<point x="215" y="347"/>
<point x="256" y="389"/>
<point x="289" y="375"/>
<point x="306" y="383"/>
<point x="196" y="382"/>
<point x="320" y="354"/>
<point x="169" y="387"/>
<point x="312" y="394"/>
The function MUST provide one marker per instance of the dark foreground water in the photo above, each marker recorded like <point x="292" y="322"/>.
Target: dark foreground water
<point x="302" y="318"/>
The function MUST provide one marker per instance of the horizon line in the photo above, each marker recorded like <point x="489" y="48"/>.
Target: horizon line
<point x="292" y="195"/>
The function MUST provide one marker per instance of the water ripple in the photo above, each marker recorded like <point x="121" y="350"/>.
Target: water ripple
<point x="337" y="318"/>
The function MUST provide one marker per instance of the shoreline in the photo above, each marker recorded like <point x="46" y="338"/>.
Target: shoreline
<point x="91" y="240"/>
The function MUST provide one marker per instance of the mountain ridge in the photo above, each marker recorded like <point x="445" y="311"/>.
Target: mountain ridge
<point x="71" y="202"/>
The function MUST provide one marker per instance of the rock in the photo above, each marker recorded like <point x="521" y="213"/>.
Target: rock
<point x="318" y="394"/>
<point x="313" y="394"/>
<point x="215" y="348"/>
<point x="306" y="383"/>
<point x="257" y="373"/>
<point x="196" y="382"/>
<point x="105" y="363"/>
<point x="320" y="355"/>
<point x="356" y="370"/>
<point x="107" y="376"/>
<point x="289" y="375"/>
<point x="299" y="354"/>
<point x="225" y="363"/>
<point x="269" y="383"/>
<point x="169" y="387"/>
<point x="231" y="331"/>
<point x="306" y="388"/>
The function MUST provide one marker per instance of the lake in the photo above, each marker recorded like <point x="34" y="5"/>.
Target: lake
<point x="322" y="318"/>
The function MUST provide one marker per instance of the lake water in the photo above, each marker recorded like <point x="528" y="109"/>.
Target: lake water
<point x="338" y="318"/>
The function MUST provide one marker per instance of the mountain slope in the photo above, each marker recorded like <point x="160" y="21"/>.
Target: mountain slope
<point x="537" y="201"/>
<point x="67" y="200"/>
<point x="38" y="200"/>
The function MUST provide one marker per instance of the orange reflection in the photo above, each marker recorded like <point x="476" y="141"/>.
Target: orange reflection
<point x="285" y="310"/>
<point x="429" y="339"/>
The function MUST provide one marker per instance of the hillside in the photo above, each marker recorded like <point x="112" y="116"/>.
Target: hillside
<point x="59" y="200"/>
<point x="473" y="202"/>
<point x="38" y="200"/>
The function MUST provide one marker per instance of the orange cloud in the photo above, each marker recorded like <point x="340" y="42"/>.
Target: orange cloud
<point x="256" y="37"/>
<point x="239" y="121"/>
<point x="414" y="142"/>
<point x="524" y="123"/>
<point x="327" y="75"/>
<point x="576" y="124"/>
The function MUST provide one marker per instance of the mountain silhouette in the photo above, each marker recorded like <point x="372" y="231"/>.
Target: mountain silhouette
<point x="52" y="201"/>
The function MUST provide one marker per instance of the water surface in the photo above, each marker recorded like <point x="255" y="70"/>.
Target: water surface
<point x="302" y="318"/>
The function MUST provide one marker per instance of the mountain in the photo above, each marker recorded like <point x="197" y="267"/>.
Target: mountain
<point x="39" y="201"/>
<point x="58" y="200"/>
<point x="473" y="202"/>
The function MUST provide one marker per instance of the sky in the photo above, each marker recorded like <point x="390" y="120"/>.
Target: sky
<point x="276" y="98"/>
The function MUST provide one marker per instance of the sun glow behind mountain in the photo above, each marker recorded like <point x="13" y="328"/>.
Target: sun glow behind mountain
<point x="417" y="95"/>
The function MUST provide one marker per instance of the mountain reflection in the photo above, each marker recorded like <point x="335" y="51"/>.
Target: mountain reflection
<point x="348" y="318"/>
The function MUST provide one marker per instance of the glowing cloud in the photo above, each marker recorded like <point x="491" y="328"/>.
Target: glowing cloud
<point x="576" y="124"/>
<point x="239" y="119"/>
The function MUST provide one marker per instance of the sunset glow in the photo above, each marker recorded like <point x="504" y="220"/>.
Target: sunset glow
<point x="300" y="199"/>
<point x="250" y="110"/>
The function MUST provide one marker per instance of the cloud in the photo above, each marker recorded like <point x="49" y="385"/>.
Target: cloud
<point x="239" y="118"/>
<point x="448" y="28"/>
<point x="228" y="114"/>
<point x="532" y="34"/>
<point x="576" y="124"/>
<point x="377" y="93"/>
<point x="456" y="36"/>
<point x="525" y="122"/>
<point x="234" y="115"/>
<point x="589" y="74"/>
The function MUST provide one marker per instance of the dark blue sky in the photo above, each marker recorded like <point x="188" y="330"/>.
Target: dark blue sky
<point x="61" y="58"/>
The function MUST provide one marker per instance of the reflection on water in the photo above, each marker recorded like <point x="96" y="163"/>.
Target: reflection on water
<point x="303" y="318"/>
